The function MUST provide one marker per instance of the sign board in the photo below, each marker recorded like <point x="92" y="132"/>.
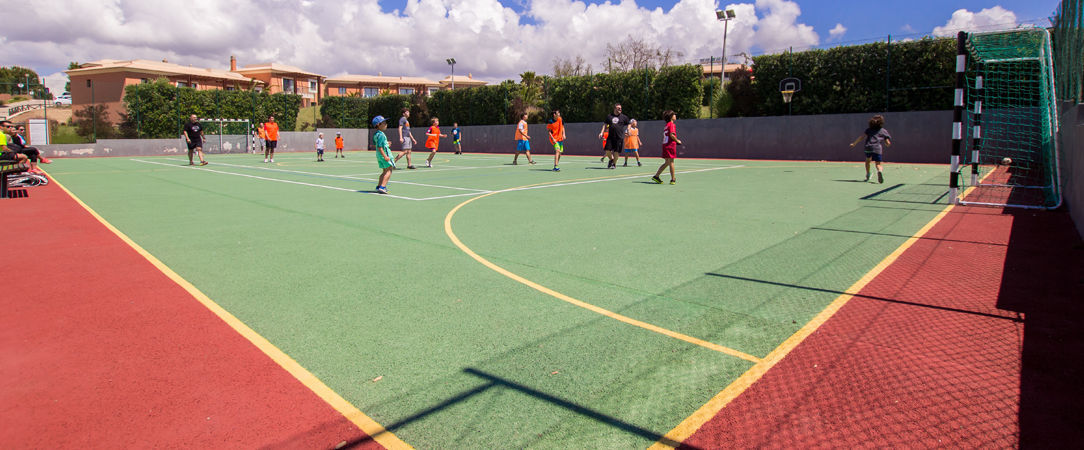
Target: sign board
<point x="39" y="131"/>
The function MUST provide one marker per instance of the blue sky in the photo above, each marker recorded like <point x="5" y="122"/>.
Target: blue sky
<point x="492" y="39"/>
<point x="864" y="19"/>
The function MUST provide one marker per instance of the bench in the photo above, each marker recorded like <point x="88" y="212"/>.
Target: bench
<point x="7" y="169"/>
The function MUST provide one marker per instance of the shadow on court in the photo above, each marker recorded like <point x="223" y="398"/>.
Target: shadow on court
<point x="1044" y="280"/>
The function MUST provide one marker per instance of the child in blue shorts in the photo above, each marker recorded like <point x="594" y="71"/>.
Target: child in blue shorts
<point x="523" y="141"/>
<point x="383" y="154"/>
<point x="877" y="138"/>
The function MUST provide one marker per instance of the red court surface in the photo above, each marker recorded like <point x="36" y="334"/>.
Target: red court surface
<point x="970" y="339"/>
<point x="98" y="348"/>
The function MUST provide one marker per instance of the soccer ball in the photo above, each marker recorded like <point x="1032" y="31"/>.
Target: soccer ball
<point x="1006" y="161"/>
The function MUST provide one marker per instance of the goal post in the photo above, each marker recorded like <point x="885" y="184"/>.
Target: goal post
<point x="226" y="135"/>
<point x="1005" y="121"/>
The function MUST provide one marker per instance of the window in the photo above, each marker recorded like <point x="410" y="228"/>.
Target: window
<point x="406" y="91"/>
<point x="433" y="90"/>
<point x="182" y="84"/>
<point x="312" y="85"/>
<point x="195" y="85"/>
<point x="342" y="91"/>
<point x="288" y="86"/>
<point x="144" y="80"/>
<point x="88" y="83"/>
<point x="371" y="92"/>
<point x="231" y="88"/>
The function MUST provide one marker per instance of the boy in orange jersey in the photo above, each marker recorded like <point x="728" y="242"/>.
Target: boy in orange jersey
<point x="339" y="145"/>
<point x="556" y="128"/>
<point x="523" y="141"/>
<point x="432" y="140"/>
<point x="271" y="129"/>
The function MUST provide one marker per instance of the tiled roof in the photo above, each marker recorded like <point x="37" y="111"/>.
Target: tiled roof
<point x="379" y="79"/>
<point x="153" y="67"/>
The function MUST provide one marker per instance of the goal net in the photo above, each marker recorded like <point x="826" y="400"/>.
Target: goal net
<point x="1005" y="121"/>
<point x="227" y="136"/>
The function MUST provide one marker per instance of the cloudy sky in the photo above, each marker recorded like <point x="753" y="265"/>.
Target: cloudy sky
<point x="492" y="39"/>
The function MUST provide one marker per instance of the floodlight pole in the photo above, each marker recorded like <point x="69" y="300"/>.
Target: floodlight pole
<point x="725" y="16"/>
<point x="451" y="62"/>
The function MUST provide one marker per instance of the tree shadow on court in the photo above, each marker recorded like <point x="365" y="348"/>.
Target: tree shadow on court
<point x="1044" y="280"/>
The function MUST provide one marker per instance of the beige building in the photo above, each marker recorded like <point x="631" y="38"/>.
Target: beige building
<point x="103" y="82"/>
<point x="374" y="85"/>
<point x="278" y="78"/>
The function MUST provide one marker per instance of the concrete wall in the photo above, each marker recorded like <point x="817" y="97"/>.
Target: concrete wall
<point x="1072" y="161"/>
<point x="289" y="141"/>
<point x="918" y="137"/>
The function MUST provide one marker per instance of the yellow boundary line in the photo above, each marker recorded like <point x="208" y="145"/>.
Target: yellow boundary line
<point x="693" y="423"/>
<point x="376" y="431"/>
<point x="579" y="303"/>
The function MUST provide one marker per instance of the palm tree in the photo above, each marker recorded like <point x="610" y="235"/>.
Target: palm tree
<point x="530" y="88"/>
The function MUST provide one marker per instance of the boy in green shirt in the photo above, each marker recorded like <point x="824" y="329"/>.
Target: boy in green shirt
<point x="383" y="154"/>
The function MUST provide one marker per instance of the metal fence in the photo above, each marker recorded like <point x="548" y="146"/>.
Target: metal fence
<point x="1068" y="34"/>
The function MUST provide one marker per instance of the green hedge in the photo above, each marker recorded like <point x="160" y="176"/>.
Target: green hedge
<point x="905" y="76"/>
<point x="644" y="93"/>
<point x="159" y="109"/>
<point x="344" y="112"/>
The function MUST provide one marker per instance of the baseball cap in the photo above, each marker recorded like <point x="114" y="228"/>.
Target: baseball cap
<point x="377" y="120"/>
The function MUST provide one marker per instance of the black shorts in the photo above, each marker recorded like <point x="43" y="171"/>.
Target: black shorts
<point x="614" y="145"/>
<point x="7" y="156"/>
<point x="192" y="145"/>
<point x="272" y="144"/>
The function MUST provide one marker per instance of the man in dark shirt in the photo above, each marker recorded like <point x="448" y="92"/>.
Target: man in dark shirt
<point x="193" y="135"/>
<point x="617" y="124"/>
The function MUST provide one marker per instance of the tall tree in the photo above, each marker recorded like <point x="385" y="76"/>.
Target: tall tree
<point x="571" y="67"/>
<point x="635" y="54"/>
<point x="68" y="86"/>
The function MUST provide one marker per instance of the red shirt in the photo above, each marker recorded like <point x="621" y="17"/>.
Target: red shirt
<point x="667" y="143"/>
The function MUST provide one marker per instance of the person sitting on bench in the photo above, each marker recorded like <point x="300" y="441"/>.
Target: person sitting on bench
<point x="8" y="154"/>
<point x="18" y="144"/>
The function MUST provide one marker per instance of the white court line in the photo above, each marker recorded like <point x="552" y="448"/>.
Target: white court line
<point x="580" y="182"/>
<point x="334" y="188"/>
<point x="347" y="177"/>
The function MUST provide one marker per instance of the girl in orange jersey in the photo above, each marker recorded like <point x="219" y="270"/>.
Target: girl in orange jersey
<point x="432" y="140"/>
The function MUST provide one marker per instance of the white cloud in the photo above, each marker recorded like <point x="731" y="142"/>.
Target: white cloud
<point x="490" y="40"/>
<point x="907" y="28"/>
<point x="988" y="19"/>
<point x="837" y="32"/>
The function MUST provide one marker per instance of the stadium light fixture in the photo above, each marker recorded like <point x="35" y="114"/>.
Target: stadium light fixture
<point x="725" y="16"/>
<point x="451" y="62"/>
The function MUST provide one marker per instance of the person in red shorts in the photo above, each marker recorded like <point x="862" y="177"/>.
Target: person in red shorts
<point x="670" y="142"/>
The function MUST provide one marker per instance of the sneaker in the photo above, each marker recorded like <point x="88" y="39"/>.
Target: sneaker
<point x="427" y="164"/>
<point x="556" y="169"/>
<point x="45" y="160"/>
<point x="626" y="165"/>
<point x="638" y="163"/>
<point x="880" y="178"/>
<point x="515" y="163"/>
<point x="409" y="167"/>
<point x="530" y="162"/>
<point x="381" y="190"/>
<point x="673" y="181"/>
<point x="272" y="159"/>
<point x="602" y="159"/>
<point x="203" y="163"/>
<point x="867" y="178"/>
<point x="657" y="180"/>
<point x="265" y="160"/>
<point x="191" y="163"/>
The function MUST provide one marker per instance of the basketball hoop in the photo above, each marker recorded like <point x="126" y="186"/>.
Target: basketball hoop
<point x="787" y="95"/>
